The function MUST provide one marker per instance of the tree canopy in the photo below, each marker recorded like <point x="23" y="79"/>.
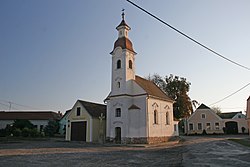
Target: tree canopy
<point x="176" y="88"/>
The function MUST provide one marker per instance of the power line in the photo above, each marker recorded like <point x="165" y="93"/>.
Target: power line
<point x="10" y="104"/>
<point x="190" y="38"/>
<point x="230" y="95"/>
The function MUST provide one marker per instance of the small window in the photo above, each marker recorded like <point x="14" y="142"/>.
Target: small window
<point x="217" y="125"/>
<point x="208" y="126"/>
<point x="118" y="112"/>
<point x="119" y="64"/>
<point x="203" y="116"/>
<point x="191" y="126"/>
<point x="167" y="118"/>
<point x="155" y="117"/>
<point x="78" y="111"/>
<point x="199" y="126"/>
<point x="35" y="126"/>
<point x="130" y="64"/>
<point x="118" y="84"/>
<point x="175" y="127"/>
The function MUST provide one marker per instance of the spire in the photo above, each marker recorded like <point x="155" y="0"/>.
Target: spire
<point x="123" y="14"/>
<point x="123" y="23"/>
<point x="123" y="40"/>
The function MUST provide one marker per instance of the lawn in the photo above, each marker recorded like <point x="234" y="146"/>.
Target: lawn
<point x="245" y="142"/>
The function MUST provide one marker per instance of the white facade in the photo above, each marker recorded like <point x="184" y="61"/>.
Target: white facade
<point x="134" y="113"/>
<point x="206" y="119"/>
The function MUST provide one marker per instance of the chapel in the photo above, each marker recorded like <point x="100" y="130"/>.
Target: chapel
<point x="138" y="111"/>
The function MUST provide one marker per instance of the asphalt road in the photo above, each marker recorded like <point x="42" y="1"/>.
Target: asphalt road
<point x="195" y="151"/>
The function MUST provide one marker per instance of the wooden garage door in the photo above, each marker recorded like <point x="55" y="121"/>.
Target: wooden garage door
<point x="78" y="131"/>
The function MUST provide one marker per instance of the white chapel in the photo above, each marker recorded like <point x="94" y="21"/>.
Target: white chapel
<point x="137" y="110"/>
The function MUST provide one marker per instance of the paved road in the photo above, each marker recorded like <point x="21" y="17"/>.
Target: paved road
<point x="195" y="151"/>
<point x="215" y="152"/>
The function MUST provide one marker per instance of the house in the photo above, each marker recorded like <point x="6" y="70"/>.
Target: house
<point x="86" y="121"/>
<point x="38" y="118"/>
<point x="248" y="113"/>
<point x="202" y="119"/>
<point x="62" y="123"/>
<point x="205" y="120"/>
<point x="138" y="111"/>
<point x="234" y="122"/>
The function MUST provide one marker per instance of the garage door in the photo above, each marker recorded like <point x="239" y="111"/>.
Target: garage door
<point x="78" y="131"/>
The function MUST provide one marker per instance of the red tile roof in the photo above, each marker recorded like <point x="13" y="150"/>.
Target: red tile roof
<point x="29" y="115"/>
<point x="124" y="43"/>
<point x="151" y="88"/>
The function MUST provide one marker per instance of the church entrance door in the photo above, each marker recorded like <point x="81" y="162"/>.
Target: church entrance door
<point x="118" y="135"/>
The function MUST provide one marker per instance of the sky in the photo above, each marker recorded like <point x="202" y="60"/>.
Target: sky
<point x="55" y="52"/>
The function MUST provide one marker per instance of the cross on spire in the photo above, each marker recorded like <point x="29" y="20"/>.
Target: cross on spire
<point x="123" y="14"/>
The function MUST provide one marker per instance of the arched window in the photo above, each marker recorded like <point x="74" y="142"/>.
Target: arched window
<point x="119" y="64"/>
<point x="167" y="118"/>
<point x="130" y="64"/>
<point x="155" y="117"/>
<point x="118" y="84"/>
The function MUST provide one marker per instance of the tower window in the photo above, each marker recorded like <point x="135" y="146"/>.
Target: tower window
<point x="118" y="84"/>
<point x="118" y="112"/>
<point x="130" y="64"/>
<point x="119" y="64"/>
<point x="155" y="117"/>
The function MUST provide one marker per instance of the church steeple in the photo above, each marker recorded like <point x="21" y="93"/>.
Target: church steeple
<point x="123" y="58"/>
<point x="123" y="40"/>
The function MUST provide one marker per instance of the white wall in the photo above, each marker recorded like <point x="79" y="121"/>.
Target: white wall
<point x="161" y="128"/>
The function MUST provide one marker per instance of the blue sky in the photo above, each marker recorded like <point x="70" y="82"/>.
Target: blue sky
<point x="55" y="52"/>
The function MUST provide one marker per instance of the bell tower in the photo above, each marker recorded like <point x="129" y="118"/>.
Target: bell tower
<point x="123" y="60"/>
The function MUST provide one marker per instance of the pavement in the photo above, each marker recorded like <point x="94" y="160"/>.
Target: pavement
<point x="191" y="151"/>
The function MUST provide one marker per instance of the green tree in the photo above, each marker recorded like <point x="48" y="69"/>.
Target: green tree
<point x="21" y="124"/>
<point x="51" y="128"/>
<point x="176" y="88"/>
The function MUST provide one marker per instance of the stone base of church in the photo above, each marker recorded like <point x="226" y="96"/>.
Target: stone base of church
<point x="141" y="140"/>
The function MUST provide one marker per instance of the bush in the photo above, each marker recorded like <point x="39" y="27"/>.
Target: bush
<point x="17" y="132"/>
<point x="51" y="128"/>
<point x="3" y="133"/>
<point x="26" y="132"/>
<point x="204" y="132"/>
<point x="34" y="133"/>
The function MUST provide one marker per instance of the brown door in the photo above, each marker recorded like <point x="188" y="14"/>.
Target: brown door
<point x="118" y="135"/>
<point x="78" y="131"/>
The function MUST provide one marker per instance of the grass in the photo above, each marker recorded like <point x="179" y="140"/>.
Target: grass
<point x="244" y="142"/>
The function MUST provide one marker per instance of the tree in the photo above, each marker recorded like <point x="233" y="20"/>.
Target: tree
<point x="176" y="88"/>
<point x="217" y="110"/>
<point x="51" y="128"/>
<point x="21" y="124"/>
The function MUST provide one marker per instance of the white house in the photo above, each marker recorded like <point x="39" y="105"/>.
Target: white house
<point x="86" y="122"/>
<point x="137" y="110"/>
<point x="204" y="118"/>
<point x="38" y="118"/>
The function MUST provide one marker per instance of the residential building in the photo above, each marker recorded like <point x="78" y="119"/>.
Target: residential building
<point x="138" y="111"/>
<point x="38" y="118"/>
<point x="205" y="120"/>
<point x="62" y="123"/>
<point x="86" y="121"/>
